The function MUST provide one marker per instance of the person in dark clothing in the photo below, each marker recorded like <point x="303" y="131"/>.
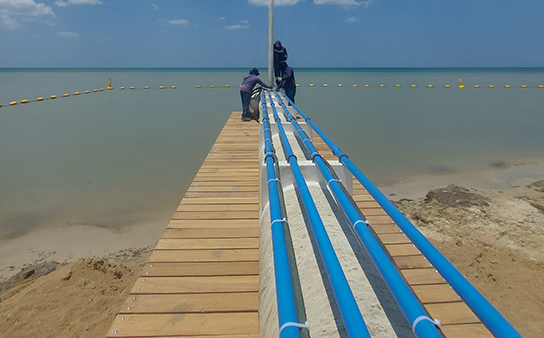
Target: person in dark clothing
<point x="250" y="80"/>
<point x="280" y="55"/>
<point x="287" y="81"/>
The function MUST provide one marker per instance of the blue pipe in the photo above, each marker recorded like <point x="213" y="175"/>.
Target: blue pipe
<point x="285" y="297"/>
<point x="349" y="310"/>
<point x="489" y="316"/>
<point x="408" y="303"/>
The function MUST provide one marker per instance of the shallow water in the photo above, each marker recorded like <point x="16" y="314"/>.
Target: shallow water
<point x="117" y="159"/>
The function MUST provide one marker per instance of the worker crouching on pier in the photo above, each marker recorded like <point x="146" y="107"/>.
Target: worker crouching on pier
<point x="250" y="80"/>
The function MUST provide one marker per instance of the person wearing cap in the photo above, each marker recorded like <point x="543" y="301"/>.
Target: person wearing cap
<point x="250" y="80"/>
<point x="280" y="54"/>
<point x="287" y="81"/>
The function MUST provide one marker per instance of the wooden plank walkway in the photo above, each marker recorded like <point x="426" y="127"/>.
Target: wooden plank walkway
<point x="202" y="279"/>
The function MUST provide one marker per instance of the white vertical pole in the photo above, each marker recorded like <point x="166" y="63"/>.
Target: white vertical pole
<point x="271" y="42"/>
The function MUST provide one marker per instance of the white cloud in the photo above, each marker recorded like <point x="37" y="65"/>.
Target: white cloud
<point x="233" y="27"/>
<point x="76" y="2"/>
<point x="181" y="22"/>
<point x="69" y="34"/>
<point x="222" y="18"/>
<point x="29" y="10"/>
<point x="276" y="2"/>
<point x="351" y="20"/>
<point x="6" y="22"/>
<point x="344" y="2"/>
<point x="155" y="6"/>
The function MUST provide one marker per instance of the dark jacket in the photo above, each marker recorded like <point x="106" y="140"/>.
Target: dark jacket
<point x="250" y="80"/>
<point x="287" y="78"/>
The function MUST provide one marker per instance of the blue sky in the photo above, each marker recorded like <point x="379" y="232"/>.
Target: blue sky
<point x="233" y="33"/>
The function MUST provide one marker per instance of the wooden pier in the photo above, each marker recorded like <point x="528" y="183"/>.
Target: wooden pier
<point x="202" y="278"/>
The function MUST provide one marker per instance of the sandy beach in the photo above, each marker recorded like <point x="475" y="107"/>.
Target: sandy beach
<point x="70" y="282"/>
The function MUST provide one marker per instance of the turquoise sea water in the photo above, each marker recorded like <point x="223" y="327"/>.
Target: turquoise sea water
<point x="121" y="158"/>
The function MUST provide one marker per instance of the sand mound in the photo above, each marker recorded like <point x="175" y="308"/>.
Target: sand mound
<point x="80" y="299"/>
<point x="495" y="238"/>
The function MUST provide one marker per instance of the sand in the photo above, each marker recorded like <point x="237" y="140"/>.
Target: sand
<point x="490" y="225"/>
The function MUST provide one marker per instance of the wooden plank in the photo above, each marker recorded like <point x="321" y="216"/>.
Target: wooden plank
<point x="452" y="313"/>
<point x="209" y="243"/>
<point x="412" y="262"/>
<point x="466" y="331"/>
<point x="211" y="223"/>
<point x="146" y="325"/>
<point x="219" y="200"/>
<point x="422" y="276"/>
<point x="390" y="228"/>
<point x="213" y="207"/>
<point x="200" y="255"/>
<point x="402" y="250"/>
<point x="178" y="285"/>
<point x="435" y="293"/>
<point x="253" y="187"/>
<point x="199" y="269"/>
<point x="192" y="303"/>
<point x="254" y="194"/>
<point x="216" y="214"/>
<point x="398" y="238"/>
<point x="212" y="233"/>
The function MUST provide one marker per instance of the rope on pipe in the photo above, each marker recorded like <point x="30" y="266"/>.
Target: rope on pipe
<point x="349" y="310"/>
<point x="489" y="316"/>
<point x="407" y="301"/>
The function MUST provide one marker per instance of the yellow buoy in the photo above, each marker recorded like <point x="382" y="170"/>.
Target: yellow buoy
<point x="447" y="86"/>
<point x="540" y="86"/>
<point x="311" y="84"/>
<point x="325" y="85"/>
<point x="146" y="87"/>
<point x="53" y="97"/>
<point x="491" y="86"/>
<point x="413" y="86"/>
<point x="430" y="86"/>
<point x="197" y="86"/>
<point x="13" y="103"/>
<point x="398" y="85"/>
<point x="76" y="93"/>
<point x="161" y="87"/>
<point x="461" y="85"/>
<point x="297" y="85"/>
<point x="367" y="85"/>
<point x="382" y="85"/>
<point x="66" y="95"/>
<point x="523" y="86"/>
<point x="24" y="101"/>
<point x="122" y="88"/>
<point x="354" y="85"/>
<point x="339" y="85"/>
<point x="87" y="92"/>
<point x="131" y="87"/>
<point x="109" y="84"/>
<point x="227" y="86"/>
<point x="476" y="86"/>
<point x="507" y="86"/>
<point x="101" y="89"/>
<point x="0" y="105"/>
<point x="212" y="86"/>
<point x="96" y="90"/>
<point x="173" y="87"/>
<point x="40" y="99"/>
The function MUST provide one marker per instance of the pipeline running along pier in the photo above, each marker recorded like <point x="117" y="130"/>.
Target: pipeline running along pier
<point x="280" y="235"/>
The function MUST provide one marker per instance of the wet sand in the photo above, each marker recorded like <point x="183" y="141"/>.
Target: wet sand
<point x="490" y="225"/>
